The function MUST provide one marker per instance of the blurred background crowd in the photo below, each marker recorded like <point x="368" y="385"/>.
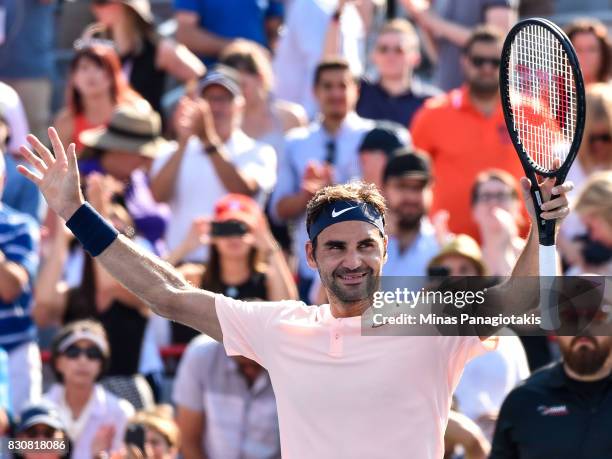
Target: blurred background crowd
<point x="202" y="129"/>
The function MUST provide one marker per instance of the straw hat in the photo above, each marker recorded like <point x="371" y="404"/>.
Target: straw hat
<point x="464" y="246"/>
<point x="142" y="8"/>
<point x="130" y="130"/>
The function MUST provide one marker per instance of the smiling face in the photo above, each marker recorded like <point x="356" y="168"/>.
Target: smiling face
<point x="349" y="257"/>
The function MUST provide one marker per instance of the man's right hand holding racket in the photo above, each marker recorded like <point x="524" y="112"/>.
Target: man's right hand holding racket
<point x="556" y="208"/>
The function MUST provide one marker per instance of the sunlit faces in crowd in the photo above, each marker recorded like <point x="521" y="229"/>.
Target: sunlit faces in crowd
<point x="585" y="355"/>
<point x="225" y="107"/>
<point x="592" y="45"/>
<point x="335" y="89"/>
<point x="596" y="149"/>
<point x="480" y="63"/>
<point x="594" y="206"/>
<point x="495" y="192"/>
<point x="409" y="199"/>
<point x="91" y="74"/>
<point x="396" y="51"/>
<point x="41" y="422"/>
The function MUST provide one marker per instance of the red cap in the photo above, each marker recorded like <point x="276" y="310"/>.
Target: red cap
<point x="237" y="207"/>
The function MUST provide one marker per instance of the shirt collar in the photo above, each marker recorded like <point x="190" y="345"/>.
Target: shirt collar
<point x="558" y="377"/>
<point x="351" y="120"/>
<point x="460" y="99"/>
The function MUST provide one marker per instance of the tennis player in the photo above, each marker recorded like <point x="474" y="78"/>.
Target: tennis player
<point x="339" y="394"/>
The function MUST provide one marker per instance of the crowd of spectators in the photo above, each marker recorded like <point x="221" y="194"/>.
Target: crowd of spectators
<point x="276" y="100"/>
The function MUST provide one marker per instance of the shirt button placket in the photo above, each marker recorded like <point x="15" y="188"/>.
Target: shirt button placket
<point x="336" y="339"/>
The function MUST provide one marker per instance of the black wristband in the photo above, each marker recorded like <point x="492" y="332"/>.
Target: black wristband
<point x="336" y="16"/>
<point x="92" y="231"/>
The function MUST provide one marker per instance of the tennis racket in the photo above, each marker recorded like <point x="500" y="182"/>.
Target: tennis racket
<point x="542" y="95"/>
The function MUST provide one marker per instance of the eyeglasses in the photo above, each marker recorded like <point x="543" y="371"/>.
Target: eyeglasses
<point x="604" y="138"/>
<point x="40" y="431"/>
<point x="384" y="49"/>
<point x="495" y="197"/>
<point x="480" y="61"/>
<point x="91" y="352"/>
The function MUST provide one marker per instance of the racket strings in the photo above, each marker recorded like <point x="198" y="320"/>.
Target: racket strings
<point x="542" y="96"/>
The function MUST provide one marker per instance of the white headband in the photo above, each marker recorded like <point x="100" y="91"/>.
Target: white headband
<point x="83" y="334"/>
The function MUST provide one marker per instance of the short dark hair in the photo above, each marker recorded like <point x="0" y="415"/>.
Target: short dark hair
<point x="335" y="63"/>
<point x="483" y="33"/>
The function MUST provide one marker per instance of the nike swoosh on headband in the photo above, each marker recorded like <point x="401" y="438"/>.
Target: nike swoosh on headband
<point x="336" y="214"/>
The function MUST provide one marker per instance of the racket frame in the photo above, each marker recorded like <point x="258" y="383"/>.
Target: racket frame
<point x="546" y="228"/>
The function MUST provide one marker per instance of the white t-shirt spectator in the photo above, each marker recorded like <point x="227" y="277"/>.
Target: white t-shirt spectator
<point x="198" y="187"/>
<point x="301" y="46"/>
<point x="489" y="378"/>
<point x="11" y="109"/>
<point x="241" y="421"/>
<point x="103" y="408"/>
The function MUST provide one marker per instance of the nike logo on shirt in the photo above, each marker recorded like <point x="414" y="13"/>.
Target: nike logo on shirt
<point x="336" y="214"/>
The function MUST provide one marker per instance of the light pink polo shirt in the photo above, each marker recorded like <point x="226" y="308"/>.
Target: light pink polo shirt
<point x="343" y="395"/>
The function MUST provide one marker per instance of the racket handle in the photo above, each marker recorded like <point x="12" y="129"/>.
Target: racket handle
<point x="549" y="307"/>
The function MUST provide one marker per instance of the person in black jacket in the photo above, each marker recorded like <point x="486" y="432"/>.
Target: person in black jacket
<point x="563" y="410"/>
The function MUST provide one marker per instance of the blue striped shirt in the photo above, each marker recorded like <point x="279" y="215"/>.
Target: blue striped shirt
<point x="19" y="238"/>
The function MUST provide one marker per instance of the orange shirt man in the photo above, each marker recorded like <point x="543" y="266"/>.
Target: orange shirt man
<point x="464" y="132"/>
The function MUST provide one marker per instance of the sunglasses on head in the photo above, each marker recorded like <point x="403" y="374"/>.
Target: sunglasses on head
<point x="604" y="138"/>
<point x="91" y="352"/>
<point x="40" y="431"/>
<point x="480" y="61"/>
<point x="384" y="49"/>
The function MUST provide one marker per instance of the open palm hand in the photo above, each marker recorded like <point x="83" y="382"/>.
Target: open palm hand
<point x="56" y="175"/>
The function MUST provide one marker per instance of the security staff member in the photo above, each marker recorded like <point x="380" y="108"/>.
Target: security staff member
<point x="563" y="410"/>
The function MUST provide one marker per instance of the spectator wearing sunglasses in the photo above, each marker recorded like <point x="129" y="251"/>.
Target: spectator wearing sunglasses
<point x="475" y="137"/>
<point x="396" y="95"/>
<point x="41" y="421"/>
<point x="245" y="260"/>
<point x="496" y="209"/>
<point x="95" y="419"/>
<point x="448" y="26"/>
